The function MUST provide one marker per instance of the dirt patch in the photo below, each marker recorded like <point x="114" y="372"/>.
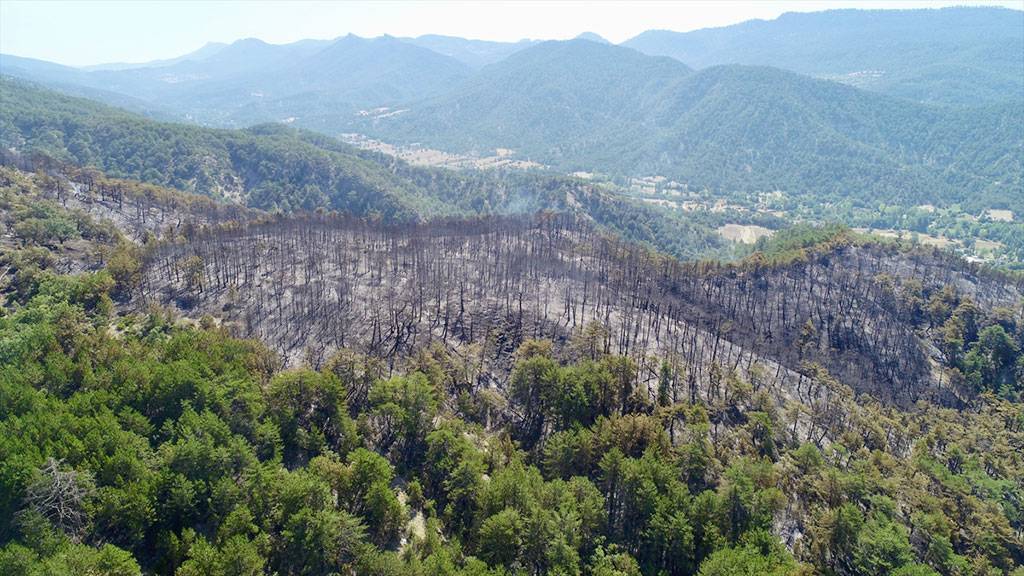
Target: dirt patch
<point x="989" y="245"/>
<point x="1000" y="215"/>
<point x="743" y="233"/>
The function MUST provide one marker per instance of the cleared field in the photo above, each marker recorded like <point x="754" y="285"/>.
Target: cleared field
<point x="988" y="245"/>
<point x="1000" y="215"/>
<point x="926" y="239"/>
<point x="744" y="233"/>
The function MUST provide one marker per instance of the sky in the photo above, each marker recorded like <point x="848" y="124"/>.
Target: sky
<point x="82" y="32"/>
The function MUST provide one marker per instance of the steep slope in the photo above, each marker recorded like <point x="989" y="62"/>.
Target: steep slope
<point x="579" y="105"/>
<point x="557" y="100"/>
<point x="953" y="55"/>
<point x="736" y="128"/>
<point x="274" y="167"/>
<point x="311" y="286"/>
<point x="379" y="70"/>
<point x="263" y="168"/>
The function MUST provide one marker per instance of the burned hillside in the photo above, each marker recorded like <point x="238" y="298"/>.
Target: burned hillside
<point x="311" y="285"/>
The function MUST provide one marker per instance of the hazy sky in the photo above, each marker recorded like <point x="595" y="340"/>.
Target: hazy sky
<point x="82" y="32"/>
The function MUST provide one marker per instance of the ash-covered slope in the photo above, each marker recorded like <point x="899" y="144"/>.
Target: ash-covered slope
<point x="310" y="286"/>
<point x="897" y="323"/>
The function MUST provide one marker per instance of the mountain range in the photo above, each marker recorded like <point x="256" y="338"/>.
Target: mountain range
<point x="760" y="110"/>
<point x="250" y="80"/>
<point x="964" y="56"/>
<point x="284" y="169"/>
<point x="579" y="105"/>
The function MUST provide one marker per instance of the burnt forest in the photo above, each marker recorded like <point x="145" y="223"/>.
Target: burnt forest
<point x="695" y="303"/>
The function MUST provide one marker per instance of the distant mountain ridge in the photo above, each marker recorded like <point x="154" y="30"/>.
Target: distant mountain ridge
<point x="250" y="80"/>
<point x="575" y="89"/>
<point x="473" y="53"/>
<point x="962" y="56"/>
<point x="207" y="50"/>
<point x="593" y="37"/>
<point x="952" y="55"/>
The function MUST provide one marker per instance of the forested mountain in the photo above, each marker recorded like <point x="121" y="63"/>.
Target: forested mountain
<point x="251" y="81"/>
<point x="580" y="105"/>
<point x="555" y="102"/>
<point x="337" y="82"/>
<point x="274" y="167"/>
<point x="40" y="70"/>
<point x="338" y="78"/>
<point x="19" y="66"/>
<point x="271" y="168"/>
<point x="237" y="62"/>
<point x="966" y="56"/>
<point x="707" y="440"/>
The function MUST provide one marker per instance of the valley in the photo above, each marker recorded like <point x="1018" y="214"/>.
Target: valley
<point x="502" y="158"/>
<point x="318" y="300"/>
